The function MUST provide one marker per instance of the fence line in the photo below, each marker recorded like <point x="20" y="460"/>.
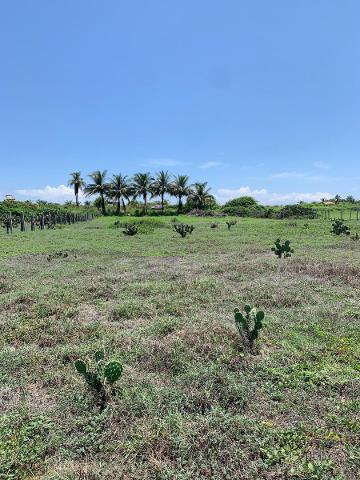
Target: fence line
<point x="332" y="213"/>
<point x="42" y="221"/>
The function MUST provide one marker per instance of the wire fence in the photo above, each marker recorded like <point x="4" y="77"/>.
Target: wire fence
<point x="42" y="221"/>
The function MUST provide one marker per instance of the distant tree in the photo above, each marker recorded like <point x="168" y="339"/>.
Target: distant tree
<point x="245" y="202"/>
<point x="98" y="187"/>
<point x="350" y="199"/>
<point x="161" y="186"/>
<point x="120" y="189"/>
<point x="78" y="183"/>
<point x="141" y="185"/>
<point x="337" y="199"/>
<point x="180" y="188"/>
<point x="200" y="195"/>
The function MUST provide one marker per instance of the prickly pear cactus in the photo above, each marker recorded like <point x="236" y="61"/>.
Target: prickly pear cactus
<point x="80" y="366"/>
<point x="282" y="249"/>
<point x="130" y="229"/>
<point x="249" y="325"/>
<point x="100" y="375"/>
<point x="113" y="371"/>
<point x="339" y="228"/>
<point x="183" y="229"/>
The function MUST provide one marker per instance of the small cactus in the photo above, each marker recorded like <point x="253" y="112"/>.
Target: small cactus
<point x="339" y="228"/>
<point x="130" y="229"/>
<point x="249" y="325"/>
<point x="230" y="223"/>
<point x="101" y="375"/>
<point x="183" y="229"/>
<point x="282" y="249"/>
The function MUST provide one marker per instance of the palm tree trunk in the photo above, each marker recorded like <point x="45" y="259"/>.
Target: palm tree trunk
<point x="118" y="207"/>
<point x="76" y="191"/>
<point x="145" y="204"/>
<point x="124" y="206"/>
<point x="103" y="205"/>
<point x="162" y="203"/>
<point x="180" y="204"/>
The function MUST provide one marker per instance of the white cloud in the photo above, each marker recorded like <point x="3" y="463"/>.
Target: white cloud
<point x="287" y="175"/>
<point x="211" y="164"/>
<point x="48" y="193"/>
<point x="270" y="198"/>
<point x="321" y="165"/>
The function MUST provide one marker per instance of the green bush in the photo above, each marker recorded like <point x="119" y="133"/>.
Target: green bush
<point x="296" y="211"/>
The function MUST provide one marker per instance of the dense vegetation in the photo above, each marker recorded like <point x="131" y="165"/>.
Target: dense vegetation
<point x="121" y="357"/>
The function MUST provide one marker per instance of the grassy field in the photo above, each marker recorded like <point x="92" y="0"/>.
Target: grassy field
<point x="191" y="404"/>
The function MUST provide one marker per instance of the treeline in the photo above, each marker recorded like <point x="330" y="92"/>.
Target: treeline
<point x="122" y="190"/>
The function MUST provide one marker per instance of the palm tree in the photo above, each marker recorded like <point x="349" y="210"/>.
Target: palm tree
<point x="78" y="183"/>
<point x="201" y="195"/>
<point x="99" y="187"/>
<point x="142" y="186"/>
<point x="119" y="189"/>
<point x="161" y="186"/>
<point x="180" y="188"/>
<point x="337" y="198"/>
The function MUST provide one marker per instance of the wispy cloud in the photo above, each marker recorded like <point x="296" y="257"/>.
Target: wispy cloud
<point x="322" y="165"/>
<point x="270" y="198"/>
<point x="211" y="164"/>
<point x="51" y="194"/>
<point x="162" y="162"/>
<point x="287" y="175"/>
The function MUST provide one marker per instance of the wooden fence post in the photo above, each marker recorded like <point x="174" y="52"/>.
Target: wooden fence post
<point x="22" y="222"/>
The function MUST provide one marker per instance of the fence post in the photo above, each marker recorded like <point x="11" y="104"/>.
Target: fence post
<point x="22" y="222"/>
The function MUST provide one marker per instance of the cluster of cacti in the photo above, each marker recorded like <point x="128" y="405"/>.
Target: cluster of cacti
<point x="230" y="223"/>
<point x="249" y="325"/>
<point x="339" y="228"/>
<point x="130" y="229"/>
<point x="282" y="249"/>
<point x="183" y="229"/>
<point x="99" y="377"/>
<point x="59" y="254"/>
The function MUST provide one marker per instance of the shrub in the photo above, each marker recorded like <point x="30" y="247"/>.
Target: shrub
<point x="249" y="325"/>
<point x="282" y="249"/>
<point x="296" y="211"/>
<point x="130" y="229"/>
<point x="100" y="377"/>
<point x="214" y="225"/>
<point x="339" y="228"/>
<point x="183" y="229"/>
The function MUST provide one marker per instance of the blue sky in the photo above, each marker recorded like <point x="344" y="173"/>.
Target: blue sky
<point x="258" y="97"/>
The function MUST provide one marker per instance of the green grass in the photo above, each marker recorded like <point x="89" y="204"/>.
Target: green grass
<point x="191" y="404"/>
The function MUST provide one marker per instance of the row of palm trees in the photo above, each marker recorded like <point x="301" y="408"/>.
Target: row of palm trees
<point x="120" y="188"/>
